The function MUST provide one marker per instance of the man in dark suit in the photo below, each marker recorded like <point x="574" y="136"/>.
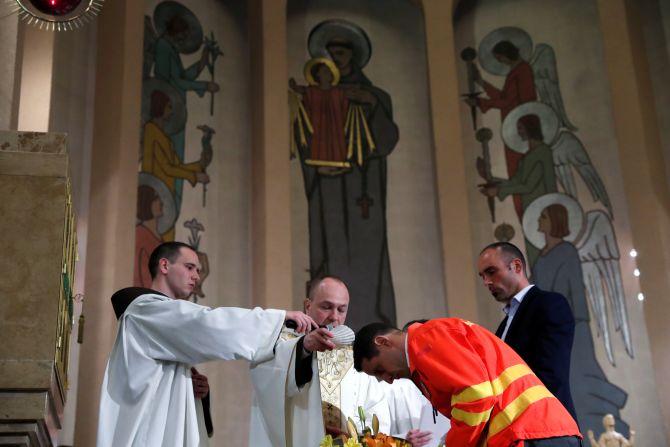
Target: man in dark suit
<point x="539" y="325"/>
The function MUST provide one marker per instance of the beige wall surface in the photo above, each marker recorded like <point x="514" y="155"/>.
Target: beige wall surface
<point x="9" y="33"/>
<point x="37" y="51"/>
<point x="664" y="9"/>
<point x="571" y="28"/>
<point x="113" y="181"/>
<point x="655" y="15"/>
<point x="641" y="158"/>
<point x="71" y="111"/>
<point x="398" y="65"/>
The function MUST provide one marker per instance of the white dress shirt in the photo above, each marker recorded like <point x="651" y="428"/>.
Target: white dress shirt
<point x="511" y="308"/>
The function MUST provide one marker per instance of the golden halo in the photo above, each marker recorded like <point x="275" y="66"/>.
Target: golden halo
<point x="321" y="60"/>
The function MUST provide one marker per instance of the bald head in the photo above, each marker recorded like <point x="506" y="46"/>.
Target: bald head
<point x="328" y="301"/>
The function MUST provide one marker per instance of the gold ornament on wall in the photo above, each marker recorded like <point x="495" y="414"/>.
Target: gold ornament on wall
<point x="54" y="15"/>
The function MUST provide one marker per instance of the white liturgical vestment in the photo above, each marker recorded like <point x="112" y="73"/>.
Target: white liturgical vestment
<point x="284" y="415"/>
<point x="405" y="404"/>
<point x="409" y="409"/>
<point x="147" y="394"/>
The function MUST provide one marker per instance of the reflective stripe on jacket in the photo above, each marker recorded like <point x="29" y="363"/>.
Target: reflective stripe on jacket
<point x="491" y="396"/>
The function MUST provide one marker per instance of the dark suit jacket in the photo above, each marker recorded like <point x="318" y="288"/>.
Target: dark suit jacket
<point x="541" y="333"/>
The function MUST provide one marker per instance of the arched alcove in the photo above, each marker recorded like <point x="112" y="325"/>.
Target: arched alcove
<point x="404" y="174"/>
<point x="560" y="77"/>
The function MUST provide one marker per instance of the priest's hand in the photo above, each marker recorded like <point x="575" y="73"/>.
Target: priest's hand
<point x="318" y="340"/>
<point x="304" y="323"/>
<point x="200" y="384"/>
<point x="418" y="438"/>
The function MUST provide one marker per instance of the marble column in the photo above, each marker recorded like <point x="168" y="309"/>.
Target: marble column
<point x="35" y="294"/>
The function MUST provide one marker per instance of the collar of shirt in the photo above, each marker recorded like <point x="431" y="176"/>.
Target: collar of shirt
<point x="406" y="351"/>
<point x="513" y="305"/>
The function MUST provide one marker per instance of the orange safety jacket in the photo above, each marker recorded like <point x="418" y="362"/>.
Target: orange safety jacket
<point x="491" y="396"/>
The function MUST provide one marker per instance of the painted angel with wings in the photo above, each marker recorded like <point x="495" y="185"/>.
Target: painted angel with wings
<point x="549" y="157"/>
<point x="536" y="124"/>
<point x="579" y="258"/>
<point x="529" y="76"/>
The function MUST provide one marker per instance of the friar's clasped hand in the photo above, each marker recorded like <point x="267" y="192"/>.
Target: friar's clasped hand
<point x="303" y="322"/>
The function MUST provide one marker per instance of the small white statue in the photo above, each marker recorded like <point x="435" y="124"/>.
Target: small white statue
<point x="611" y="438"/>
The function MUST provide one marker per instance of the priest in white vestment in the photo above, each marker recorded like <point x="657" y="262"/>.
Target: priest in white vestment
<point x="292" y="406"/>
<point x="147" y="397"/>
<point x="409" y="408"/>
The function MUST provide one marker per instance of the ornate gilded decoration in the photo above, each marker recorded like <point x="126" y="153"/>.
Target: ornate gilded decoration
<point x="333" y="366"/>
<point x="66" y="299"/>
<point x="55" y="15"/>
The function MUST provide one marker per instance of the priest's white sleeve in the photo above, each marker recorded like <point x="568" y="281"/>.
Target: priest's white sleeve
<point x="405" y="404"/>
<point x="283" y="414"/>
<point x="185" y="332"/>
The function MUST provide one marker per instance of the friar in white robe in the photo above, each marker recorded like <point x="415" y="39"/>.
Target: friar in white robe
<point x="291" y="408"/>
<point x="147" y="394"/>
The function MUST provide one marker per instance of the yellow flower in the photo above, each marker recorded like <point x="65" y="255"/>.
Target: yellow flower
<point x="327" y="441"/>
<point x="352" y="442"/>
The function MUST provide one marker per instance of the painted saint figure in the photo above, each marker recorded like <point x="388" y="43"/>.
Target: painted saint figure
<point x="579" y="259"/>
<point x="347" y="212"/>
<point x="178" y="31"/>
<point x="535" y="175"/>
<point x="531" y="74"/>
<point x="519" y="88"/>
<point x="159" y="157"/>
<point x="147" y="235"/>
<point x="550" y="155"/>
<point x="326" y="106"/>
<point x="559" y="269"/>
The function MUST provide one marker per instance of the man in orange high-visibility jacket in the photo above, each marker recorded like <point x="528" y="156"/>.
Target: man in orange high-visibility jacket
<point x="472" y="377"/>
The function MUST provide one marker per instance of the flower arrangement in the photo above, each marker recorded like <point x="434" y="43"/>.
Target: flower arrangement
<point x="370" y="437"/>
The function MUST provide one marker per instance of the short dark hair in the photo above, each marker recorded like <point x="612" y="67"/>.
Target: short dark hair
<point x="558" y="216"/>
<point x="343" y="44"/>
<point x="364" y="343"/>
<point x="507" y="49"/>
<point x="509" y="250"/>
<point x="314" y="284"/>
<point x="314" y="71"/>
<point x="159" y="100"/>
<point x="167" y="250"/>
<point x="533" y="126"/>
<point x="339" y="43"/>
<point x="176" y="24"/>
<point x="145" y="197"/>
